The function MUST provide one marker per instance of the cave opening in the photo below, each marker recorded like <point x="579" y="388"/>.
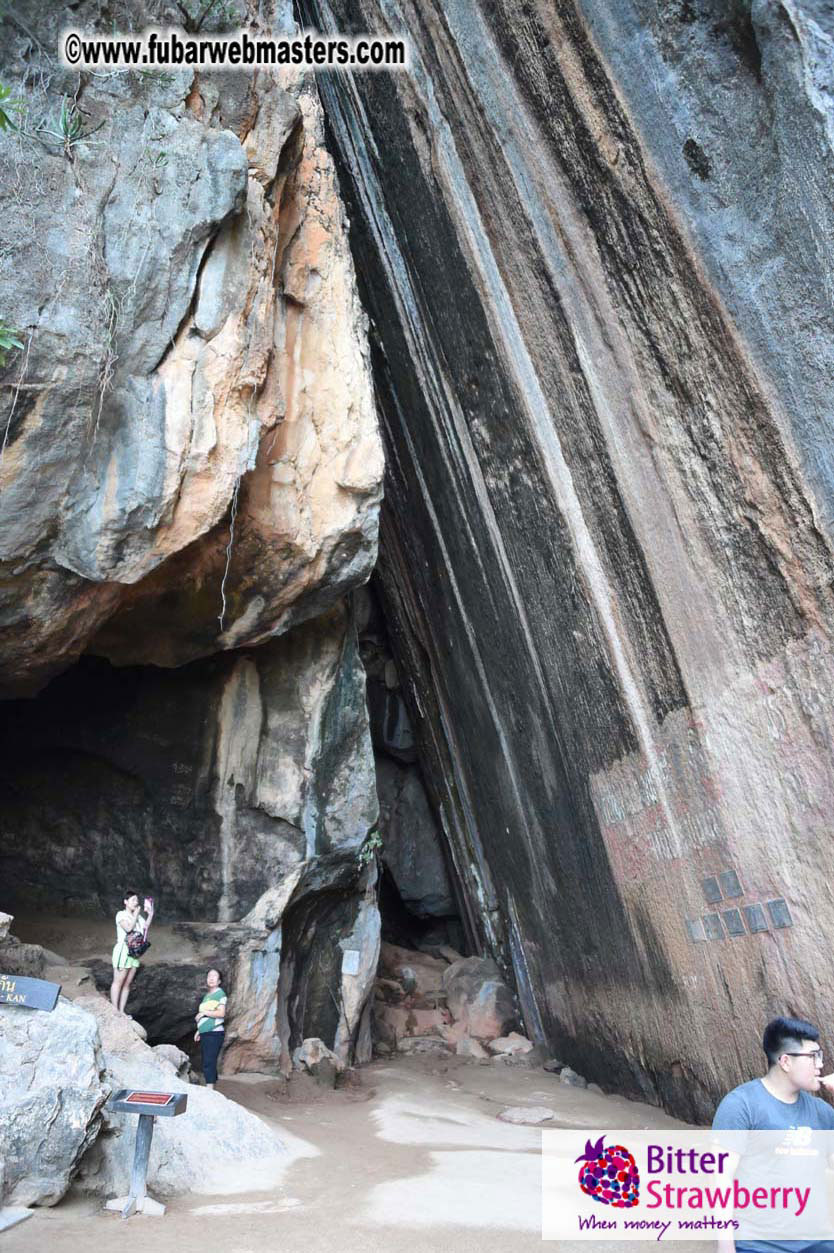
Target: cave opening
<point x="173" y="783"/>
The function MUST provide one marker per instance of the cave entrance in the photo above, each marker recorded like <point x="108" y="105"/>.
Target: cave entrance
<point x="138" y="778"/>
<point x="110" y="783"/>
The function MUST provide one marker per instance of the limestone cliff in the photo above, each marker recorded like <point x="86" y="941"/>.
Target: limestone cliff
<point x="190" y="478"/>
<point x="595" y="244"/>
<point x="190" y="458"/>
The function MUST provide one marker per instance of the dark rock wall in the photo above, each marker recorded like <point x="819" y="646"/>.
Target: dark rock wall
<point x="592" y="243"/>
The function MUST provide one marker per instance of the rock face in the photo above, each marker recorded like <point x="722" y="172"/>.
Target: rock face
<point x="190" y="477"/>
<point x="51" y="1077"/>
<point x="589" y="237"/>
<point x="190" y="457"/>
<point x="411" y="845"/>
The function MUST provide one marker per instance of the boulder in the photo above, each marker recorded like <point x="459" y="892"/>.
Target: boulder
<point x="176" y="374"/>
<point x="477" y="996"/>
<point x="5" y="922"/>
<point x="418" y="974"/>
<point x="216" y="1147"/>
<point x="553" y="1065"/>
<point x="423" y="1044"/>
<point x="50" y="1079"/>
<point x="28" y="960"/>
<point x="511" y="1045"/>
<point x="170" y="1055"/>
<point x="523" y="1116"/>
<point x="311" y="1053"/>
<point x="397" y="1022"/>
<point x="473" y="1049"/>
<point x="572" y="1079"/>
<point x="119" y="1033"/>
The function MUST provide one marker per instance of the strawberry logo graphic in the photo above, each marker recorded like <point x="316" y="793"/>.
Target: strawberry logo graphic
<point x="610" y="1175"/>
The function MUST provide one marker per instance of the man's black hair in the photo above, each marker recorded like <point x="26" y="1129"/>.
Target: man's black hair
<point x="785" y="1035"/>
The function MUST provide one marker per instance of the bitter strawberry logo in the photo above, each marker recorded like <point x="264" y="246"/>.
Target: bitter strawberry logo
<point x="609" y="1175"/>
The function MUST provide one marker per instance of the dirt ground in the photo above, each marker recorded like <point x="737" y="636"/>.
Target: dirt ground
<point x="414" y="1160"/>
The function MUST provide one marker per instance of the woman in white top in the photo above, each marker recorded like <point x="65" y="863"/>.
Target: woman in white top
<point x="128" y="920"/>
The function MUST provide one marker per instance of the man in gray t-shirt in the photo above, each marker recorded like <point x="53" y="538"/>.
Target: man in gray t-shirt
<point x="781" y="1101"/>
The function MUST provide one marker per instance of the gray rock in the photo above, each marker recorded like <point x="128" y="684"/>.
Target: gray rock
<point x="390" y="721"/>
<point x="412" y="848"/>
<point x="511" y="1045"/>
<point x="527" y="1116"/>
<point x="50" y="1077"/>
<point x="478" y="997"/>
<point x="572" y="1079"/>
<point x="423" y="1044"/>
<point x="473" y="1049"/>
<point x="217" y="1146"/>
<point x="224" y="754"/>
<point x="553" y="1065"/>
<point x="594" y="1087"/>
<point x="311" y="1053"/>
<point x="179" y="1062"/>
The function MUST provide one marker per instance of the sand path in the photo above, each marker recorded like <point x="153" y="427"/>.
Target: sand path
<point x="415" y="1161"/>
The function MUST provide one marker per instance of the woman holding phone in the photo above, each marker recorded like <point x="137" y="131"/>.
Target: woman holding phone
<point x="131" y="932"/>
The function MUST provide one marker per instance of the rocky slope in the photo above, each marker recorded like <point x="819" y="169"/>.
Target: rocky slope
<point x="594" y="242"/>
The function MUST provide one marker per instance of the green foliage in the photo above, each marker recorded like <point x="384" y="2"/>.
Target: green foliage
<point x="370" y="848"/>
<point x="8" y="340"/>
<point x="70" y="127"/>
<point x="7" y="108"/>
<point x="70" y="123"/>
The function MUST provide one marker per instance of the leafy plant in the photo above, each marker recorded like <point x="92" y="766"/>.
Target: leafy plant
<point x="7" y="108"/>
<point x="8" y="340"/>
<point x="370" y="848"/>
<point x="71" y="128"/>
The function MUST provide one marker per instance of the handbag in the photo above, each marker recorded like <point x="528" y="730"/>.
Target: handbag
<point x="137" y="944"/>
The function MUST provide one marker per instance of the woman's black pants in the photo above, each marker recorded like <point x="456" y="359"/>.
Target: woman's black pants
<point x="210" y="1044"/>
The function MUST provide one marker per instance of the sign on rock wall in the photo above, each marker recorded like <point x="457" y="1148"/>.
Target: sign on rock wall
<point x="29" y="993"/>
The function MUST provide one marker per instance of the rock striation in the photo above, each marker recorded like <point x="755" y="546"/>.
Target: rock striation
<point x="591" y="241"/>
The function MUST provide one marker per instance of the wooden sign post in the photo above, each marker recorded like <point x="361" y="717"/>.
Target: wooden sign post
<point x="148" y="1105"/>
<point x="29" y="993"/>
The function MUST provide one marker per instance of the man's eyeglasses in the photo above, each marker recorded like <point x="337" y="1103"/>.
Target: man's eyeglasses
<point x="815" y="1053"/>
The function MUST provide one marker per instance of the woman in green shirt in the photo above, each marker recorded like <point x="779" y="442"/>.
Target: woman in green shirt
<point x="210" y="1030"/>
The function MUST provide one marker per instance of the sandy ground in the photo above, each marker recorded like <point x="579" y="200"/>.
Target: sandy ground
<point x="416" y="1160"/>
<point x="77" y="939"/>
